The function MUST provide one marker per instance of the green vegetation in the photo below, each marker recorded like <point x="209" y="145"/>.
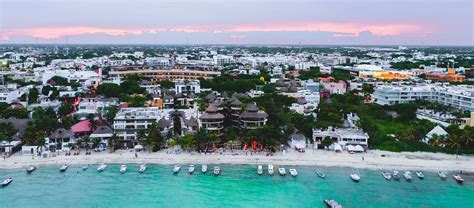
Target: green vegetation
<point x="226" y="83"/>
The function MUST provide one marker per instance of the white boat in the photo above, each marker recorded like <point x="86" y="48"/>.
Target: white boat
<point x="7" y="181"/>
<point x="332" y="203"/>
<point x="101" y="167"/>
<point x="320" y="174"/>
<point x="259" y="170"/>
<point x="386" y="175"/>
<point x="217" y="170"/>
<point x="293" y="172"/>
<point x="458" y="178"/>
<point x="407" y="175"/>
<point x="282" y="171"/>
<point x="270" y="169"/>
<point x="420" y="174"/>
<point x="63" y="168"/>
<point x="176" y="168"/>
<point x="204" y="168"/>
<point x="442" y="175"/>
<point x="85" y="167"/>
<point x="142" y="168"/>
<point x="355" y="176"/>
<point x="123" y="168"/>
<point x="30" y="169"/>
<point x="396" y="175"/>
<point x="191" y="169"/>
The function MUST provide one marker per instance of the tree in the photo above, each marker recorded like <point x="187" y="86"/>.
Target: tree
<point x="187" y="142"/>
<point x="109" y="90"/>
<point x="33" y="94"/>
<point x="154" y="140"/>
<point x="141" y="136"/>
<point x="327" y="141"/>
<point x="92" y="122"/>
<point x="111" y="142"/>
<point x="454" y="143"/>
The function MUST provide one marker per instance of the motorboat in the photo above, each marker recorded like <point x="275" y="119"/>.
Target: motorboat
<point x="355" y="176"/>
<point x="217" y="170"/>
<point x="330" y="203"/>
<point x="442" y="175"/>
<point x="259" y="170"/>
<point x="191" y="169"/>
<point x="84" y="168"/>
<point x="101" y="167"/>
<point x="419" y="174"/>
<point x="396" y="175"/>
<point x="270" y="169"/>
<point x="142" y="168"/>
<point x="7" y="181"/>
<point x="30" y="169"/>
<point x="176" y="168"/>
<point x="386" y="175"/>
<point x="282" y="171"/>
<point x="458" y="178"/>
<point x="407" y="175"/>
<point x="123" y="168"/>
<point x="204" y="168"/>
<point x="63" y="168"/>
<point x="293" y="172"/>
<point x="320" y="174"/>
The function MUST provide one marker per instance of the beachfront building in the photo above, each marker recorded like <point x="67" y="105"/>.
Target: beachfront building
<point x="212" y="121"/>
<point x="457" y="96"/>
<point x="95" y="105"/>
<point x="235" y="109"/>
<point x="61" y="139"/>
<point x="341" y="136"/>
<point x="252" y="117"/>
<point x="103" y="133"/>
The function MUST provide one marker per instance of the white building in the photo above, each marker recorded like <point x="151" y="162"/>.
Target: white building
<point x="185" y="87"/>
<point x="342" y="136"/>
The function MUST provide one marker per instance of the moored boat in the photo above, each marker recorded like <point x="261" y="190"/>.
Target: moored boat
<point x="293" y="172"/>
<point x="191" y="169"/>
<point x="458" y="178"/>
<point x="176" y="168"/>
<point x="442" y="175"/>
<point x="101" y="167"/>
<point x="217" y="170"/>
<point x="282" y="171"/>
<point x="142" y="168"/>
<point x="407" y="175"/>
<point x="419" y="174"/>
<point x="320" y="174"/>
<point x="332" y="203"/>
<point x="259" y="170"/>
<point x="63" y="168"/>
<point x="7" y="181"/>
<point x="123" y="168"/>
<point x="386" y="175"/>
<point x="84" y="168"/>
<point x="204" y="168"/>
<point x="270" y="169"/>
<point x="30" y="169"/>
<point x="396" y="175"/>
<point x="355" y="176"/>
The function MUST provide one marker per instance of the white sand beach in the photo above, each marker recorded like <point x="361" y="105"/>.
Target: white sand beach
<point x="371" y="160"/>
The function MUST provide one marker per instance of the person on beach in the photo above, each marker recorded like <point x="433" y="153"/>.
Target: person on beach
<point x="136" y="155"/>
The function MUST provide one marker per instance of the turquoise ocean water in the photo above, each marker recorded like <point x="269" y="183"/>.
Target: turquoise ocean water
<point x="237" y="186"/>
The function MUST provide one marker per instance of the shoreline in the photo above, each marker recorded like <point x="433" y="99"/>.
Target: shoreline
<point x="372" y="160"/>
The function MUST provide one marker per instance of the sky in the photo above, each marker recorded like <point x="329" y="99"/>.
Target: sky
<point x="306" y="22"/>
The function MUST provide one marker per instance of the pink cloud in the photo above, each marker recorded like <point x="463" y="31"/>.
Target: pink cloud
<point x="345" y="29"/>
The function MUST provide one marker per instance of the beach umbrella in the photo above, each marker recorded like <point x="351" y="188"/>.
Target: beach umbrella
<point x="138" y="147"/>
<point x="337" y="147"/>
<point x="358" y="148"/>
<point x="350" y="148"/>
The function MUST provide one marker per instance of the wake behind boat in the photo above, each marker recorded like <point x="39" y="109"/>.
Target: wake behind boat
<point x="396" y="175"/>
<point x="407" y="175"/>
<point x="270" y="169"/>
<point x="176" y="168"/>
<point x="355" y="176"/>
<point x="101" y="167"/>
<point x="320" y="174"/>
<point x="30" y="169"/>
<point x="217" y="170"/>
<point x="63" y="168"/>
<point x="204" y="168"/>
<point x="420" y="174"/>
<point x="123" y="168"/>
<point x="142" y="168"/>
<point x="7" y="181"/>
<point x="442" y="175"/>
<point x="191" y="169"/>
<point x="282" y="171"/>
<point x="293" y="172"/>
<point x="386" y="175"/>
<point x="259" y="170"/>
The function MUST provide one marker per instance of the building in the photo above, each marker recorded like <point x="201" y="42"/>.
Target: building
<point x="96" y="105"/>
<point x="61" y="139"/>
<point x="212" y="121"/>
<point x="191" y="72"/>
<point x="460" y="96"/>
<point x="186" y="87"/>
<point x="104" y="133"/>
<point x="252" y="117"/>
<point x="311" y="85"/>
<point x="341" y="136"/>
<point x="339" y="87"/>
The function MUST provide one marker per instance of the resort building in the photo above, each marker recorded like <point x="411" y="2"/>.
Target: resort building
<point x="341" y="136"/>
<point x="235" y="108"/>
<point x="212" y="121"/>
<point x="252" y="117"/>
<point x="96" y="105"/>
<point x="186" y="87"/>
<point x="185" y="72"/>
<point x="104" y="133"/>
<point x="61" y="139"/>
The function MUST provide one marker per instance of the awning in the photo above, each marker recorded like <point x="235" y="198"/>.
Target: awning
<point x="359" y="148"/>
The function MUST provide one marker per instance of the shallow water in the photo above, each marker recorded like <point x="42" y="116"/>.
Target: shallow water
<point x="237" y="186"/>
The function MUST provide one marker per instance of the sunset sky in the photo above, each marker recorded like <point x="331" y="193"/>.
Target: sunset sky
<point x="320" y="22"/>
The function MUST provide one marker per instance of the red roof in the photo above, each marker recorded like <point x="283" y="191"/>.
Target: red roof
<point x="82" y="126"/>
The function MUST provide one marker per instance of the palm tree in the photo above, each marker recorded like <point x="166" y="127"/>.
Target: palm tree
<point x="111" y="142"/>
<point x="141" y="136"/>
<point x="92" y="122"/>
<point x="454" y="143"/>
